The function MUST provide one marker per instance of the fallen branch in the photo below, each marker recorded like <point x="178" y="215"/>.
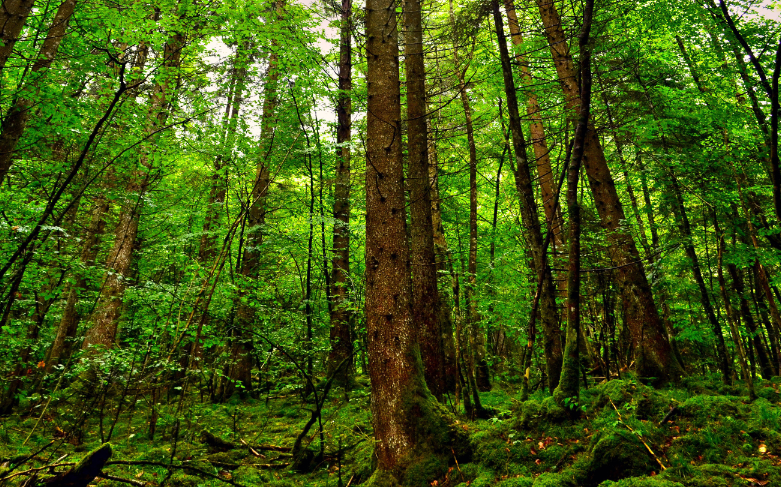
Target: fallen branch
<point x="37" y="469"/>
<point x="171" y="466"/>
<point x="120" y="479"/>
<point x="638" y="436"/>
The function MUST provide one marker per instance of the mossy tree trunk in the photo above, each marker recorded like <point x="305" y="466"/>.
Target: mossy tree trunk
<point x="409" y="424"/>
<point x="568" y="385"/>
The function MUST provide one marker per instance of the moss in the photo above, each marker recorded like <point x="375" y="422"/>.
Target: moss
<point x="228" y="459"/>
<point x="628" y="394"/>
<point x="439" y="438"/>
<point x="563" y="479"/>
<point x="179" y="479"/>
<point x="641" y="482"/>
<point x="616" y="455"/>
<point x="516" y="482"/>
<point x="533" y="414"/>
<point x="703" y="410"/>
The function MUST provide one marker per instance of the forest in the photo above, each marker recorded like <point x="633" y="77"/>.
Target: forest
<point x="415" y="243"/>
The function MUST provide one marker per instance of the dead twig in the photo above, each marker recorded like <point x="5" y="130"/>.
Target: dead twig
<point x="120" y="479"/>
<point x="638" y="436"/>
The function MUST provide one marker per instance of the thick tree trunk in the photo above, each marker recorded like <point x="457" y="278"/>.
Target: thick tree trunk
<point x="409" y="425"/>
<point x="13" y="15"/>
<point x="341" y="332"/>
<point x="15" y="121"/>
<point x="652" y="347"/>
<point x="426" y="301"/>
<point x="531" y="220"/>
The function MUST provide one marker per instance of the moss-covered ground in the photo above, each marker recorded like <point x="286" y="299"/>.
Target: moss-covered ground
<point x="622" y="433"/>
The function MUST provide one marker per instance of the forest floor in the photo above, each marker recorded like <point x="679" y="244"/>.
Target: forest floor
<point x="624" y="433"/>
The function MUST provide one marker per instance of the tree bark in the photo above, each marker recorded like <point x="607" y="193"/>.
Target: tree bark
<point x="444" y="264"/>
<point x="568" y="386"/>
<point x="13" y="15"/>
<point x="652" y="348"/>
<point x="341" y="331"/>
<point x="68" y="326"/>
<point x="409" y="424"/>
<point x="732" y="317"/>
<point x="15" y="121"/>
<point x="765" y="366"/>
<point x="105" y="319"/>
<point x="481" y="372"/>
<point x="426" y="301"/>
<point x="531" y="220"/>
<point x="538" y="138"/>
<point x="240" y="368"/>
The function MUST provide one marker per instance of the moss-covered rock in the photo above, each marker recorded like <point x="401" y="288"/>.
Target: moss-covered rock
<point x="532" y="414"/>
<point x="645" y="401"/>
<point x="705" y="409"/>
<point x="615" y="455"/>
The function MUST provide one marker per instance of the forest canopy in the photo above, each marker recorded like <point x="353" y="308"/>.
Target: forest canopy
<point x="399" y="242"/>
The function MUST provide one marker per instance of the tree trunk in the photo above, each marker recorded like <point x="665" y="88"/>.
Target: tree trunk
<point x="538" y="139"/>
<point x="105" y="319"/>
<point x="531" y="220"/>
<point x="69" y="323"/>
<point x="568" y="386"/>
<point x="652" y="347"/>
<point x="444" y="264"/>
<point x="426" y="301"/>
<point x="766" y="368"/>
<point x="481" y="372"/>
<point x="731" y="316"/>
<point x="341" y="332"/>
<point x="240" y="367"/>
<point x="15" y="121"/>
<point x="409" y="425"/>
<point x="13" y="15"/>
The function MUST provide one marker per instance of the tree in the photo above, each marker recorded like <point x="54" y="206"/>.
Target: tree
<point x="409" y="424"/>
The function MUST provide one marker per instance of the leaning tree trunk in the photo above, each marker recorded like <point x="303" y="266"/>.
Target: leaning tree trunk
<point x="105" y="319"/>
<point x="531" y="220"/>
<point x="652" y="347"/>
<point x="13" y="15"/>
<point x="68" y="326"/>
<point x="409" y="424"/>
<point x="341" y="333"/>
<point x="15" y="121"/>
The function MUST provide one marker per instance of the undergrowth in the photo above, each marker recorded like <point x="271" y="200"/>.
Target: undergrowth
<point x="624" y="434"/>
